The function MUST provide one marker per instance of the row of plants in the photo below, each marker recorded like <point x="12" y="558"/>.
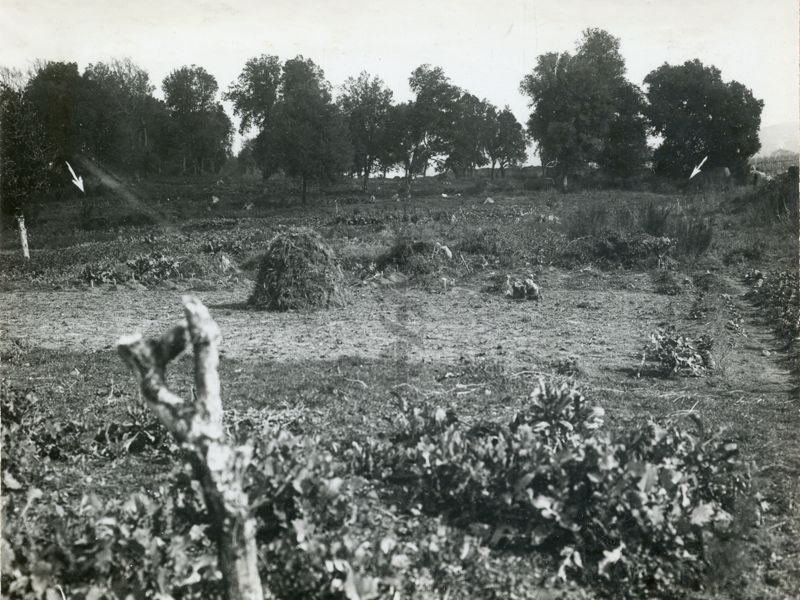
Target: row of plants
<point x="778" y="294"/>
<point x="436" y="506"/>
<point x="145" y="268"/>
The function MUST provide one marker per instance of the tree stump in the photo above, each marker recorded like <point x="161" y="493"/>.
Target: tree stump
<point x="197" y="426"/>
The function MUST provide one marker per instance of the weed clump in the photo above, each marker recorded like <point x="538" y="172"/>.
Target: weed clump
<point x="298" y="270"/>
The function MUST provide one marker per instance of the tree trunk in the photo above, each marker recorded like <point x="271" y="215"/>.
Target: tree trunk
<point x="197" y="426"/>
<point x="492" y="171"/>
<point x="23" y="237"/>
<point x="366" y="176"/>
<point x="502" y="170"/>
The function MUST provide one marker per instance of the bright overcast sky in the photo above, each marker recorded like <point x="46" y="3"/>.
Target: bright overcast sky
<point x="484" y="46"/>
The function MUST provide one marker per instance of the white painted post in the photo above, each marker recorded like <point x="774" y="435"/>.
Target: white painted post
<point x="23" y="236"/>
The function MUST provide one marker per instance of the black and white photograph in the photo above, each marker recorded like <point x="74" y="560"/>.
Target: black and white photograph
<point x="383" y="300"/>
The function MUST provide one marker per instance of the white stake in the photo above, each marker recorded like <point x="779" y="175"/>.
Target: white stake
<point x="23" y="236"/>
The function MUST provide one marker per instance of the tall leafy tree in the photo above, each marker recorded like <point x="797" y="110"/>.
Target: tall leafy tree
<point x="310" y="134"/>
<point x="434" y="112"/>
<point x="697" y="114"/>
<point x="505" y="142"/>
<point x="54" y="92"/>
<point x="577" y="100"/>
<point x="115" y="103"/>
<point x="255" y="91"/>
<point x="404" y="145"/>
<point x="466" y="137"/>
<point x="26" y="158"/>
<point x="365" y="102"/>
<point x="204" y="128"/>
<point x="300" y="130"/>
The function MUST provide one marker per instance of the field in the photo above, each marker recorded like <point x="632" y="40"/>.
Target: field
<point x="426" y="323"/>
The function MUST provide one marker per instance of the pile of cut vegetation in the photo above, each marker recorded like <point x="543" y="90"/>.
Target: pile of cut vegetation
<point x="414" y="256"/>
<point x="298" y="270"/>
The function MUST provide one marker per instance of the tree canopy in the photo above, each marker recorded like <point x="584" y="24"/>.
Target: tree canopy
<point x="365" y="102"/>
<point x="583" y="108"/>
<point x="697" y="114"/>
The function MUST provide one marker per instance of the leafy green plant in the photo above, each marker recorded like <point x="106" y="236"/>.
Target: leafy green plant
<point x="152" y="268"/>
<point x="632" y="515"/>
<point x="100" y="273"/>
<point x="671" y="354"/>
<point x="629" y="515"/>
<point x="779" y="295"/>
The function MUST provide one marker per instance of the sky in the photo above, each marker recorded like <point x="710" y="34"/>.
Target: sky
<point x="484" y="46"/>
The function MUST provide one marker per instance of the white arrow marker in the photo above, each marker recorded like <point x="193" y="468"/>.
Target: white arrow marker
<point x="697" y="168"/>
<point x="78" y="181"/>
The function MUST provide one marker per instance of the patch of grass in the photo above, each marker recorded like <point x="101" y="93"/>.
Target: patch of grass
<point x="693" y="235"/>
<point x="654" y="219"/>
<point x="665" y="282"/>
<point x="589" y="220"/>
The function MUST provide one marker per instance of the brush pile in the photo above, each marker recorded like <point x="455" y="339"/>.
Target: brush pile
<point x="298" y="271"/>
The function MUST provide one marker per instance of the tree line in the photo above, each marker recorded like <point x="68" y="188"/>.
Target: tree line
<point x="585" y="115"/>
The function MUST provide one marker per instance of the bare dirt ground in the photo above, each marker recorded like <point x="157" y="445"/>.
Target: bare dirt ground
<point x="602" y="318"/>
<point x="461" y="322"/>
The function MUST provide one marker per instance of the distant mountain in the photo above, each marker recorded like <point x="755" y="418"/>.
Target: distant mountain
<point x="783" y="136"/>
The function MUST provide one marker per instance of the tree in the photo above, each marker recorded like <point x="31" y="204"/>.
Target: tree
<point x="434" y="112"/>
<point x="256" y="91"/>
<point x="625" y="150"/>
<point x="310" y="135"/>
<point x="697" y="114"/>
<point x="403" y="143"/>
<point x="466" y="138"/>
<point x="204" y="128"/>
<point x="505" y="144"/>
<point x="114" y="110"/>
<point x="53" y="92"/>
<point x="365" y="104"/>
<point x="577" y="100"/>
<point x="25" y="154"/>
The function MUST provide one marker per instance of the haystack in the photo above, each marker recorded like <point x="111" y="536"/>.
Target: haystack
<point x="298" y="270"/>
